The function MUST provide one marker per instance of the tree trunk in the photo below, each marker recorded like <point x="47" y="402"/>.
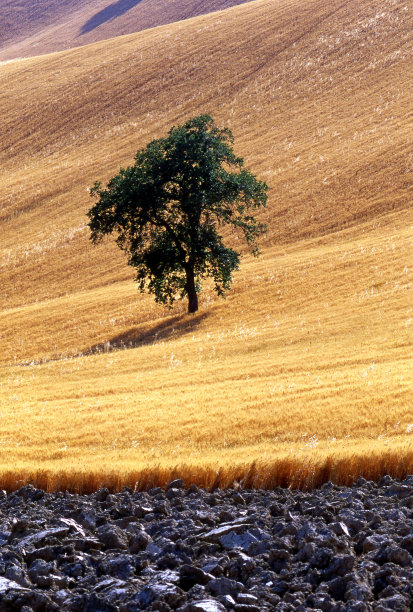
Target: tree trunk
<point x="191" y="291"/>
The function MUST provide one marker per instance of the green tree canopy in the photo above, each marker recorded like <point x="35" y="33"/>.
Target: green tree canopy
<point x="167" y="209"/>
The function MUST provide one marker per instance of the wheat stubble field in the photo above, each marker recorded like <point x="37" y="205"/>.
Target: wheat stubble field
<point x="304" y="372"/>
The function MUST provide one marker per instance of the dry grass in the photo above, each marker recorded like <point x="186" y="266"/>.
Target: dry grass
<point x="304" y="373"/>
<point x="287" y="472"/>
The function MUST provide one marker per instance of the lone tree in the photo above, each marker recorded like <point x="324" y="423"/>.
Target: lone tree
<point x="167" y="208"/>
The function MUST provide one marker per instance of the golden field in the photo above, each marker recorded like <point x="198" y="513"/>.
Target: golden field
<point x="304" y="372"/>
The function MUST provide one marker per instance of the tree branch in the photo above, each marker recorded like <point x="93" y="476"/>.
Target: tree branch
<point x="162" y="223"/>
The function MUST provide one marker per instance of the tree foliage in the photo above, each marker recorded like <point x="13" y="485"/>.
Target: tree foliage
<point x="167" y="210"/>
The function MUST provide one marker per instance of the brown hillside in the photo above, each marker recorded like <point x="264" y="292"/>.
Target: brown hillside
<point x="28" y="28"/>
<point x="310" y="355"/>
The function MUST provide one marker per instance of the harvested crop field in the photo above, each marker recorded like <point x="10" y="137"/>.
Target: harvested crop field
<point x="304" y="373"/>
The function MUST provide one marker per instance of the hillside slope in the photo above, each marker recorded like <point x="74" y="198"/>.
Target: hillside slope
<point x="28" y="28"/>
<point x="319" y="101"/>
<point x="311" y="353"/>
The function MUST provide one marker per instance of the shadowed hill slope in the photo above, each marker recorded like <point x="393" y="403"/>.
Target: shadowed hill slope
<point x="311" y="352"/>
<point x="28" y="28"/>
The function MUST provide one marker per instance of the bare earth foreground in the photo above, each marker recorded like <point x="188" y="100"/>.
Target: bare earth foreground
<point x="304" y="373"/>
<point x="335" y="549"/>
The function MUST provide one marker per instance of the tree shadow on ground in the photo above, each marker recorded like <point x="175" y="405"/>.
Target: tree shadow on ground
<point x="170" y="328"/>
<point x="109" y="12"/>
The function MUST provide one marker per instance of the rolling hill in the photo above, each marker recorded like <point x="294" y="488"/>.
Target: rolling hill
<point x="28" y="28"/>
<point x="308" y="361"/>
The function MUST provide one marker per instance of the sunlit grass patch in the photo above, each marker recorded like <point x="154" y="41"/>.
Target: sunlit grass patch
<point x="292" y="368"/>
